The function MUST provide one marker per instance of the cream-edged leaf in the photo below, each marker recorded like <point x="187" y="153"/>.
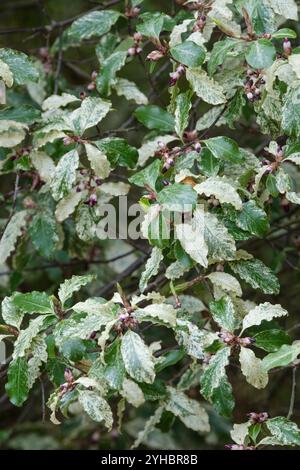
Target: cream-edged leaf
<point x="151" y="268"/>
<point x="205" y="87"/>
<point x="98" y="161"/>
<point x="132" y="393"/>
<point x="189" y="411"/>
<point x="129" y="89"/>
<point x="6" y="74"/>
<point x="226" y="282"/>
<point x="221" y="189"/>
<point x="253" y="369"/>
<point x="58" y="101"/>
<point x="11" y="233"/>
<point x="96" y="407"/>
<point x="164" y="313"/>
<point x="44" y="165"/>
<point x="11" y="133"/>
<point x="192" y="240"/>
<point x="69" y="286"/>
<point x="265" y="311"/>
<point x="65" y="174"/>
<point x="137" y="358"/>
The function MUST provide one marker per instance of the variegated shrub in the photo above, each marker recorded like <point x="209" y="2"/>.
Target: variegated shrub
<point x="198" y="105"/>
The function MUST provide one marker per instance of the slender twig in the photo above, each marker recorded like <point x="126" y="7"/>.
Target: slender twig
<point x="72" y="263"/>
<point x="59" y="61"/>
<point x="56" y="24"/>
<point x="293" y="394"/>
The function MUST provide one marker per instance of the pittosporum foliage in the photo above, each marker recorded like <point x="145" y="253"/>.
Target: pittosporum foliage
<point x="195" y="104"/>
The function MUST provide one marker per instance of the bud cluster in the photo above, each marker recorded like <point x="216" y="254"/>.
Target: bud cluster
<point x="287" y="46"/>
<point x="45" y="59"/>
<point x="92" y="85"/>
<point x="231" y="340"/>
<point x="69" y="384"/>
<point x="126" y="321"/>
<point x="22" y="152"/>
<point x="136" y="48"/>
<point x="257" y="418"/>
<point x="253" y="84"/>
<point x="132" y="12"/>
<point x="175" y="76"/>
<point x="200" y="23"/>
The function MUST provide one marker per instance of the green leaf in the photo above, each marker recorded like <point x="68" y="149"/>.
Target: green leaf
<point x="261" y="54"/>
<point x="151" y="268"/>
<point x="285" y="431"/>
<point x="225" y="148"/>
<point x="96" y="407"/>
<point x="214" y="373"/>
<point x="208" y="165"/>
<point x="152" y="27"/>
<point x="94" y="24"/>
<point x="219" y="53"/>
<point x="65" y="175"/>
<point x="109" y="68"/>
<point x="183" y="106"/>
<point x="283" y="357"/>
<point x="114" y="370"/>
<point x="137" y="358"/>
<point x="11" y="233"/>
<point x="154" y="117"/>
<point x="17" y="387"/>
<point x="20" y="65"/>
<point x="257" y="274"/>
<point x="24" y="113"/>
<point x="284" y="33"/>
<point x="222" y="398"/>
<point x="32" y="302"/>
<point x="43" y="233"/>
<point x="189" y="411"/>
<point x="253" y="219"/>
<point x="223" y="313"/>
<point x="265" y="311"/>
<point x="188" y="53"/>
<point x="175" y="196"/>
<point x="148" y="175"/>
<point x="118" y="151"/>
<point x="271" y="340"/>
<point x="67" y="289"/>
<point x="205" y="87"/>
